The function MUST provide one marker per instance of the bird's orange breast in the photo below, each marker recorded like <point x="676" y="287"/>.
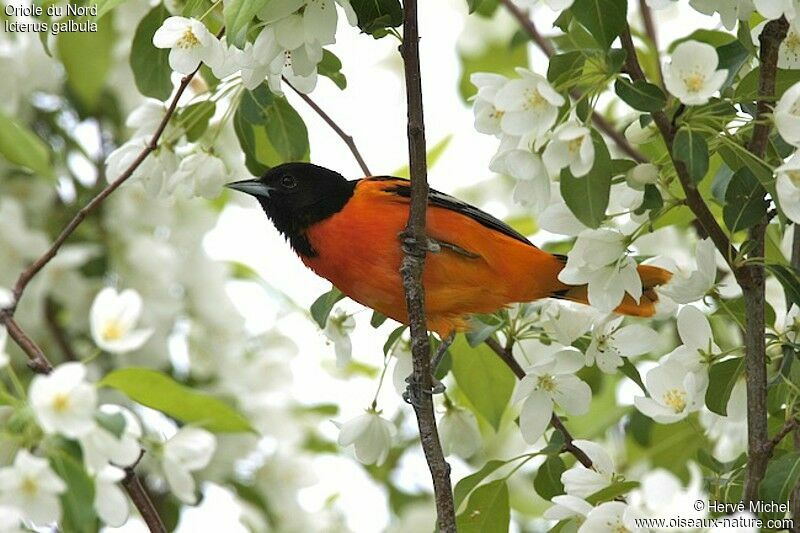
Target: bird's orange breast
<point x="359" y="251"/>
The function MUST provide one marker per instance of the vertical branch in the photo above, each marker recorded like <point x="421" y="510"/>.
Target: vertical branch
<point x="141" y="499"/>
<point x="415" y="245"/>
<point x="751" y="278"/>
<point x="652" y="34"/>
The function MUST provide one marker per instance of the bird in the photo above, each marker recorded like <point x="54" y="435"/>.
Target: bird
<point x="349" y="232"/>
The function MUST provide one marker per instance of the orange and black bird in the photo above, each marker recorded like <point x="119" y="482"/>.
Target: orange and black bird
<point x="347" y="231"/>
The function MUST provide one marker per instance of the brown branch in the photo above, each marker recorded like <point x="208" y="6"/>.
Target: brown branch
<point x="348" y="139"/>
<point x="694" y="199"/>
<point x="652" y="34"/>
<point x="569" y="446"/>
<point x="544" y="45"/>
<point x="751" y="277"/>
<point x="58" y="333"/>
<point x="414" y="249"/>
<point x="141" y="499"/>
<point x="37" y="361"/>
<point x="787" y="428"/>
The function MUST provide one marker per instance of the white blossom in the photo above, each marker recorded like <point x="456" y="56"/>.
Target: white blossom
<point x="31" y="486"/>
<point x="6" y="297"/>
<point x="728" y="433"/>
<point x="687" y="287"/>
<point x="566" y="322"/>
<point x="559" y="219"/>
<point x="788" y="187"/>
<point x="487" y="116"/>
<point x="599" y="259"/>
<point x="787" y="115"/>
<point x="63" y="402"/>
<point x="571" y="146"/>
<point x="610" y="343"/>
<point x="567" y="506"/>
<point x="555" y="5"/>
<point x="660" y="4"/>
<point x="113" y="318"/>
<point x="674" y="393"/>
<point x="4" y="357"/>
<point x="730" y="11"/>
<point x="550" y="382"/>
<point x="371" y="436"/>
<point x="459" y="433"/>
<point x="529" y="105"/>
<point x="611" y="517"/>
<point x="190" y="44"/>
<point x="692" y="75"/>
<point x="403" y="367"/>
<point x="638" y="134"/>
<point x="641" y="175"/>
<point x="337" y="330"/>
<point x="199" y="174"/>
<point x="774" y="9"/>
<point x="11" y="520"/>
<point x="145" y="119"/>
<point x="533" y="186"/>
<point x="190" y="449"/>
<point x="661" y="495"/>
<point x="583" y="482"/>
<point x="698" y="349"/>
<point x="110" y="502"/>
<point x="101" y="447"/>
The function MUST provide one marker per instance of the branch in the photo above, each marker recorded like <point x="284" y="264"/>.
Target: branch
<point x="414" y="249"/>
<point x="787" y="428"/>
<point x="348" y="139"/>
<point x="751" y="278"/>
<point x="694" y="200"/>
<point x="141" y="499"/>
<point x="555" y="421"/>
<point x="544" y="45"/>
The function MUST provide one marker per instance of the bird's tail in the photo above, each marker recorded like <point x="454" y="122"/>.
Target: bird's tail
<point x="651" y="276"/>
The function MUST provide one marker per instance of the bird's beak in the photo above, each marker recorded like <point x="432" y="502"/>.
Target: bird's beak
<point x="252" y="187"/>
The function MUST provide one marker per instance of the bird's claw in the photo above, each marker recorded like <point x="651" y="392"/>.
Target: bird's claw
<point x="414" y="392"/>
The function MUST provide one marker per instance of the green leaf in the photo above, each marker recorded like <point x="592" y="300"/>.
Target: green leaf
<point x="432" y="155"/>
<point x="722" y="377"/>
<point x="160" y="392"/>
<point x="497" y="56"/>
<point x="270" y="131"/>
<point x="77" y="501"/>
<point x="194" y="119"/>
<point x="20" y="146"/>
<point x="713" y="37"/>
<point x="104" y="7"/>
<point x="747" y="89"/>
<point x="547" y="482"/>
<point x="565" y="67"/>
<point x="587" y="196"/>
<point x="640" y="95"/>
<point x="465" y="486"/>
<point x="732" y="57"/>
<point x="238" y="14"/>
<point x="150" y="65"/>
<point x="782" y="475"/>
<point x="87" y="60"/>
<point x="744" y="201"/>
<point x="789" y="278"/>
<point x="374" y="16"/>
<point x="632" y="373"/>
<point x="392" y="338"/>
<point x="612" y="492"/>
<point x="322" y="306"/>
<point x="377" y="319"/>
<point x="691" y="148"/>
<point x="331" y="67"/>
<point x="488" y="510"/>
<point x="114" y="423"/>
<point x="483" y="378"/>
<point x="605" y="19"/>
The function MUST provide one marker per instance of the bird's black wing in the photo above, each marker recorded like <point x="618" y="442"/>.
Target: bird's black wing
<point x="402" y="187"/>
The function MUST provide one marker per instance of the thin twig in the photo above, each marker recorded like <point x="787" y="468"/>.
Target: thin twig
<point x="415" y="246"/>
<point x="694" y="199"/>
<point x="569" y="446"/>
<point x="652" y="34"/>
<point x="787" y="428"/>
<point x="545" y="46"/>
<point x="348" y="139"/>
<point x="141" y="499"/>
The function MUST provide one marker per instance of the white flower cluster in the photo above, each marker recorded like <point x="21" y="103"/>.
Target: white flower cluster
<point x="289" y="44"/>
<point x="787" y="120"/>
<point x="660" y="495"/>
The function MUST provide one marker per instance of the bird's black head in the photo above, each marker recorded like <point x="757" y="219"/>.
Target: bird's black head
<point x="296" y="195"/>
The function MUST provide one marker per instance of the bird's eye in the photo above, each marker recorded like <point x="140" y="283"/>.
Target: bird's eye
<point x="288" y="182"/>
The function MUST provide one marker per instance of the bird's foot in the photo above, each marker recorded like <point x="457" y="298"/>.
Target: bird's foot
<point x="412" y="246"/>
<point x="415" y="392"/>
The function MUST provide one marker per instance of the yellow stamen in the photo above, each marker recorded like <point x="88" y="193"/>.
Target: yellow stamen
<point x="61" y="402"/>
<point x="29" y="486"/>
<point x="694" y="82"/>
<point x="112" y="331"/>
<point x="188" y="39"/>
<point x="676" y="399"/>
